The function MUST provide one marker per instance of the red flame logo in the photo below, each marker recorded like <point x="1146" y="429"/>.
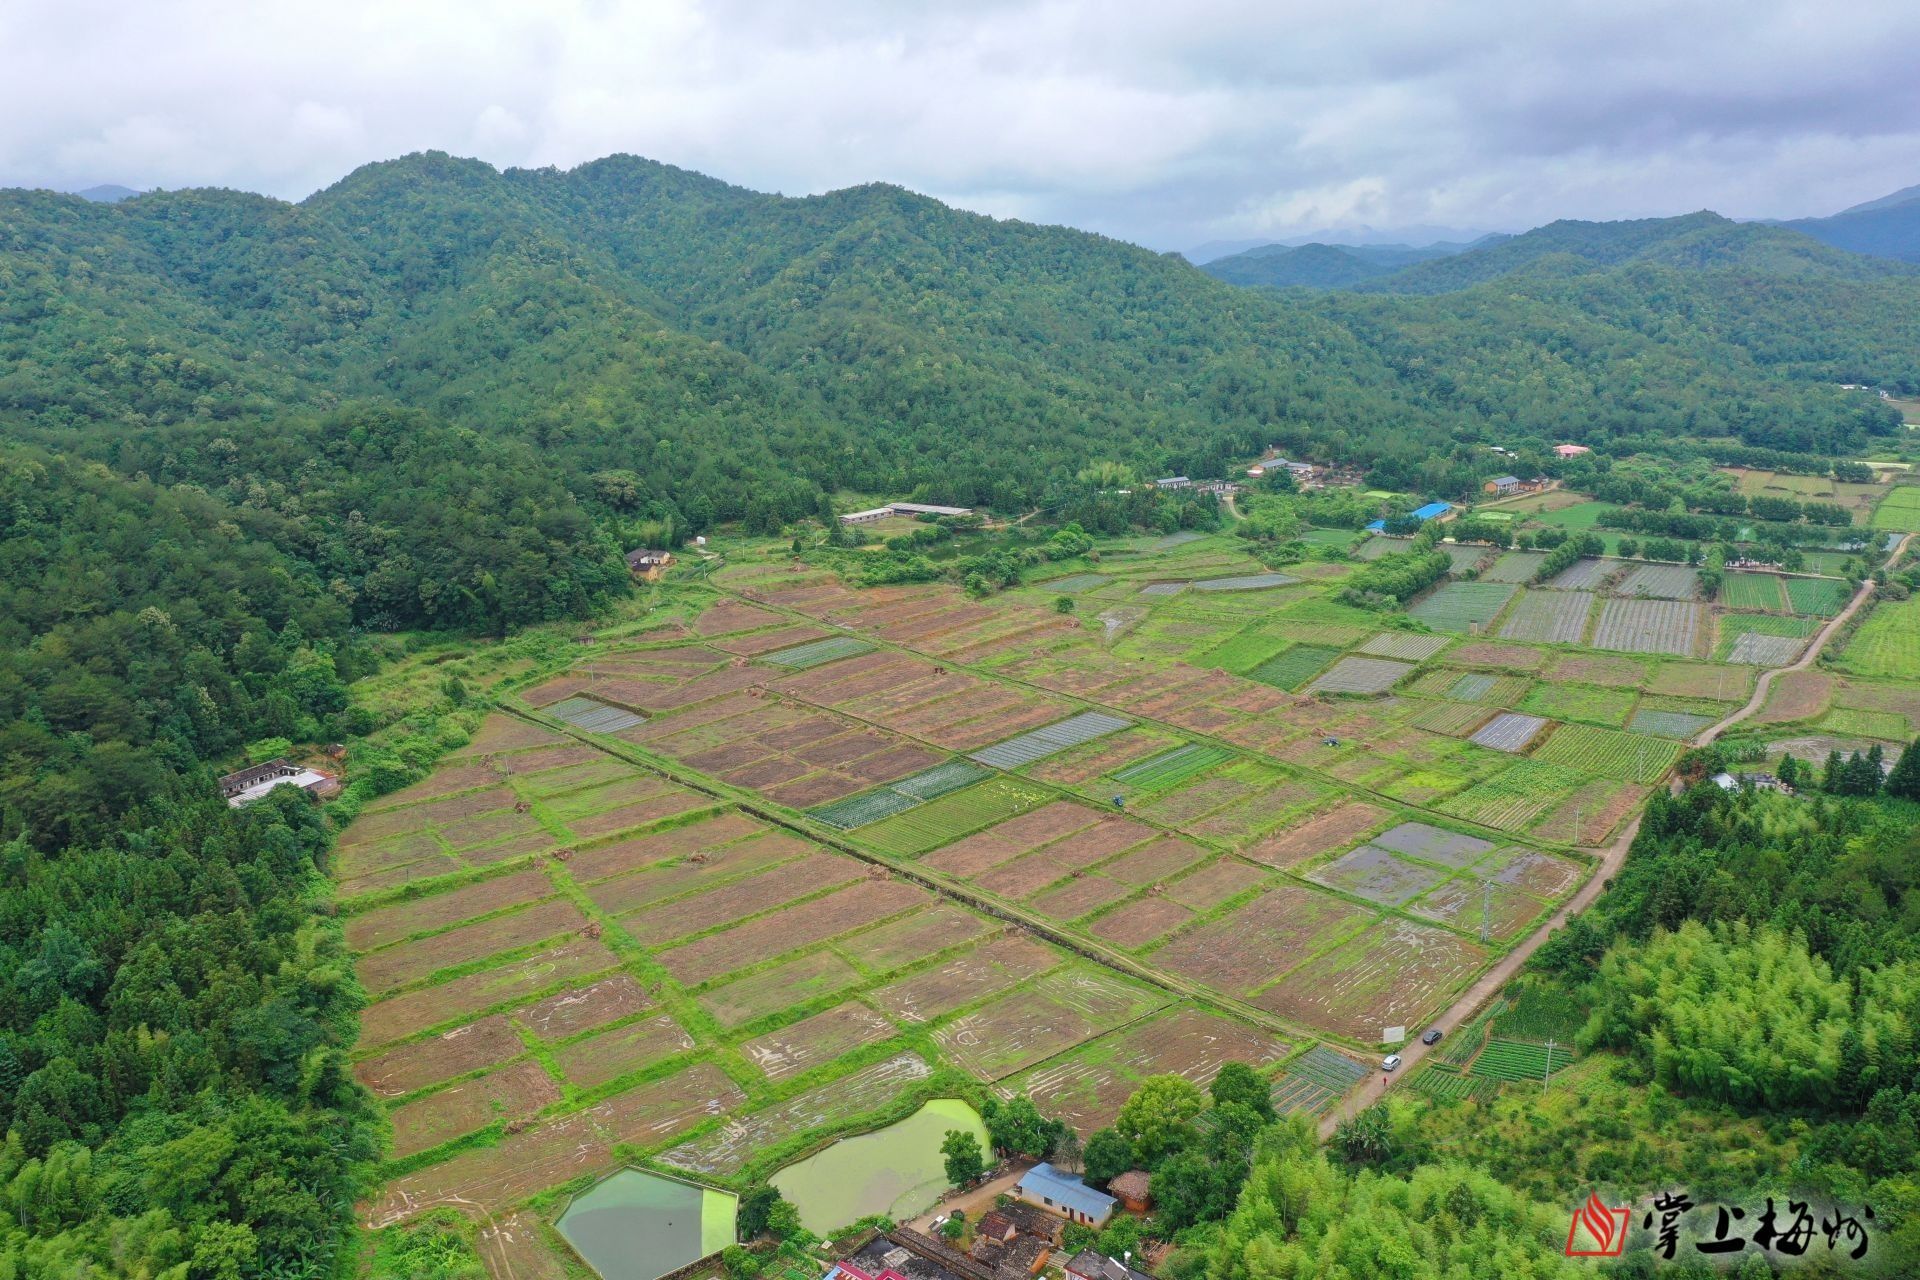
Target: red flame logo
<point x="1605" y="1228"/>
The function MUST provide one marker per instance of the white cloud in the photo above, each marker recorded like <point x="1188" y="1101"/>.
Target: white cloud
<point x="1165" y="123"/>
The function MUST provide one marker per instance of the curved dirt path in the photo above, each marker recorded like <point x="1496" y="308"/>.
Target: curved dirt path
<point x="1489" y="984"/>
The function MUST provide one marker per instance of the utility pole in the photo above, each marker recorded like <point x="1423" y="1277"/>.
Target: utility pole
<point x="1547" y="1075"/>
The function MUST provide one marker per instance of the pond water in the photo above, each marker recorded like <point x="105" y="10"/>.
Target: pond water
<point x="898" y="1170"/>
<point x="640" y="1226"/>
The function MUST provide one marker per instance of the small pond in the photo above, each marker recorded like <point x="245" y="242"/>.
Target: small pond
<point x="640" y="1226"/>
<point x="898" y="1170"/>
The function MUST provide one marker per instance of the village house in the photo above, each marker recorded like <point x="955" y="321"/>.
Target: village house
<point x="902" y="509"/>
<point x="1571" y="450"/>
<point x="648" y="560"/>
<point x="250" y="784"/>
<point x="1173" y="482"/>
<point x="1065" y="1194"/>
<point x="1016" y="1240"/>
<point x="1091" y="1264"/>
<point x="1133" y="1190"/>
<point x="1502" y="485"/>
<point x="905" y="1254"/>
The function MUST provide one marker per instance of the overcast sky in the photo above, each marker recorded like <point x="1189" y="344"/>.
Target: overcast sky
<point x="1167" y="123"/>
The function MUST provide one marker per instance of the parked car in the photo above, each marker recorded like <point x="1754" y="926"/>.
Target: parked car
<point x="1432" y="1037"/>
<point x="1390" y="1062"/>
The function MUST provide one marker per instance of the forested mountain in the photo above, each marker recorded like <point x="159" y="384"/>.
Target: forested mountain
<point x="1696" y="242"/>
<point x="1321" y="266"/>
<point x="1888" y="228"/>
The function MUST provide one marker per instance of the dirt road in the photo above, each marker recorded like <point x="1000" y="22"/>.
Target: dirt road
<point x="1490" y="983"/>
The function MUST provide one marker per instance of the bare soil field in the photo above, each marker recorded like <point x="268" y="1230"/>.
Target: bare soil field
<point x="1797" y="695"/>
<point x="1002" y="842"/>
<point x="570" y="1012"/>
<point x="723" y="617"/>
<point x="924" y="933"/>
<point x="509" y="1094"/>
<point x="856" y="906"/>
<point x="395" y="966"/>
<point x="735" y="899"/>
<point x="1140" y="922"/>
<point x="1341" y="825"/>
<point x="812" y="1041"/>
<point x="397" y="1017"/>
<point x="1078" y="896"/>
<point x="388" y="924"/>
<point x="989" y="968"/>
<point x="729" y="1149"/>
<point x="1393" y="975"/>
<point x="778" y="988"/>
<point x="422" y="1063"/>
<point x="1274" y="933"/>
<point x="610" y="1054"/>
<point x="1215" y="883"/>
<point x="705" y="836"/>
<point x="1053" y="1014"/>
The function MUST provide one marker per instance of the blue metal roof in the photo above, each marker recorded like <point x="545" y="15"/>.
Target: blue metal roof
<point x="1066" y="1189"/>
<point x="1431" y="510"/>
<point x="1377" y="526"/>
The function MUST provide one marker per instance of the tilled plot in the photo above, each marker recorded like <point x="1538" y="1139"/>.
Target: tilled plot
<point x="497" y="1176"/>
<point x="1544" y="875"/>
<point x="1548" y="617"/>
<point x="1052" y="1014"/>
<point x="1462" y="607"/>
<point x="509" y="1094"/>
<point x="724" y="617"/>
<point x="1463" y="903"/>
<point x="1360" y="675"/>
<point x="593" y="716"/>
<point x="397" y="1017"/>
<point x="1393" y="975"/>
<point x="818" y="652"/>
<point x="1245" y="582"/>
<point x="1648" y="626"/>
<point x="1158" y="859"/>
<point x="1079" y="896"/>
<point x="649" y="1114"/>
<point x="395" y="966"/>
<point x="1036" y="870"/>
<point x="1433" y="844"/>
<point x="415" y="1066"/>
<point x="1215" y="883"/>
<point x="857" y="906"/>
<point x="759" y="642"/>
<point x="1669" y="724"/>
<point x="717" y="838"/>
<point x="1318" y="834"/>
<point x="1661" y="581"/>
<point x="388" y="924"/>
<point x="500" y="732"/>
<point x="974" y="975"/>
<point x="915" y="937"/>
<point x="735" y="899"/>
<point x="570" y="1012"/>
<point x="1270" y="935"/>
<point x="610" y="1054"/>
<point x="810" y="1042"/>
<point x="1007" y="840"/>
<point x="1582" y="575"/>
<point x="1140" y="922"/>
<point x="1087" y="1088"/>
<point x="778" y="988"/>
<point x="1509" y="731"/>
<point x="1378" y="876"/>
<point x="1590" y="814"/>
<point x="728" y="1150"/>
<point x="1515" y="566"/>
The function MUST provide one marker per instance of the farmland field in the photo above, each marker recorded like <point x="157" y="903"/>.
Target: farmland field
<point x="1360" y="675"/>
<point x="1548" y="617"/>
<point x="1648" y="626"/>
<point x="1761" y="639"/>
<point x="1294" y="667"/>
<point x="1661" y="582"/>
<point x="1887" y="643"/>
<point x="1751" y="591"/>
<point x="1461" y="607"/>
<point x="1822" y="597"/>
<point x="1899" y="511"/>
<point x="1611" y="753"/>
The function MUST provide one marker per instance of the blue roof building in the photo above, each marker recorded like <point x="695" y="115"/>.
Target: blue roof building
<point x="1065" y="1194"/>
<point x="1377" y="526"/>
<point x="1431" y="510"/>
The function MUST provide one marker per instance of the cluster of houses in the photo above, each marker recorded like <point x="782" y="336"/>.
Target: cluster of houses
<point x="1219" y="488"/>
<point x="902" y="509"/>
<point x="1014" y="1241"/>
<point x="253" y="783"/>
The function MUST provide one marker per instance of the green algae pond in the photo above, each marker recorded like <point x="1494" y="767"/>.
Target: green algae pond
<point x="898" y="1170"/>
<point x="640" y="1226"/>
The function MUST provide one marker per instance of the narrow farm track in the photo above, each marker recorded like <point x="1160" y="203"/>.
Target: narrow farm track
<point x="1470" y="1002"/>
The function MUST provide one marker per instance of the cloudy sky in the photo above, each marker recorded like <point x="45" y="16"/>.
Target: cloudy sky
<point x="1171" y="124"/>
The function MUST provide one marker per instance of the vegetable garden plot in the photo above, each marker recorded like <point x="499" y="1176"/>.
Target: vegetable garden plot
<point x="1899" y="511"/>
<point x="1821" y="597"/>
<point x="1405" y="645"/>
<point x="1245" y="582"/>
<point x="1054" y="738"/>
<point x="1751" y="591"/>
<point x="1509" y="731"/>
<point x="1668" y="724"/>
<point x="1612" y="753"/>
<point x="1515" y="566"/>
<point x="1158" y="589"/>
<point x="1511" y="1061"/>
<point x="1433" y="844"/>
<point x="1461" y="607"/>
<point x="1662" y="582"/>
<point x="942" y="821"/>
<point x="1314" y="1081"/>
<point x="1077" y="583"/>
<point x="1378" y="876"/>
<point x="898" y="797"/>
<point x="1173" y="540"/>
<point x="1582" y="575"/>
<point x="1172" y="767"/>
<point x="1447" y="1086"/>
<point x="1548" y="617"/>
<point x="1360" y="675"/>
<point x="1293" y="667"/>
<point x="1648" y="626"/>
<point x="1559" y="700"/>
<point x="1455" y="719"/>
<point x="1512" y="799"/>
<point x="1858" y="722"/>
<point x="818" y="653"/>
<point x="1754" y="649"/>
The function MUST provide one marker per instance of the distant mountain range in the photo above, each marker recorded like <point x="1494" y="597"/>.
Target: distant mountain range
<point x="105" y="193"/>
<point x="1863" y="242"/>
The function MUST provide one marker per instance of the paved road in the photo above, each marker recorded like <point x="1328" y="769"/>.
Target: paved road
<point x="1463" y="1010"/>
